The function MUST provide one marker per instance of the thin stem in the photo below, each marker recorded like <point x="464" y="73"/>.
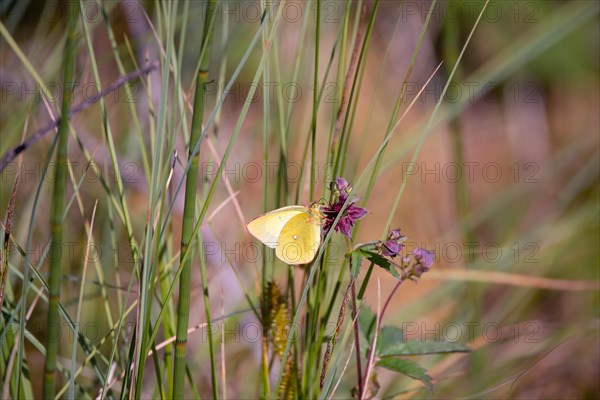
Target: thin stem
<point x="356" y="340"/>
<point x="266" y="384"/>
<point x="371" y="355"/>
<point x="380" y="315"/>
<point x="315" y="102"/>
<point x="349" y="75"/>
<point x="363" y="287"/>
<point x="187" y="230"/>
<point x="7" y="231"/>
<point x="58" y="207"/>
<point x="394" y="116"/>
<point x="11" y="154"/>
<point x="206" y="301"/>
<point x="338" y="328"/>
<point x="354" y="92"/>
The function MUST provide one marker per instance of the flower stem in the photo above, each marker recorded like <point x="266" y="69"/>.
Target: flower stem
<point x="356" y="339"/>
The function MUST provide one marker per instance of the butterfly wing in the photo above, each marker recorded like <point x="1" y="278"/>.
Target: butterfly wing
<point x="267" y="228"/>
<point x="299" y="239"/>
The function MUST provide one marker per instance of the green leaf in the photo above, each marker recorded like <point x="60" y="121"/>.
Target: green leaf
<point x="389" y="337"/>
<point x="408" y="368"/>
<point x="355" y="261"/>
<point x="416" y="347"/>
<point x="366" y="323"/>
<point x="382" y="262"/>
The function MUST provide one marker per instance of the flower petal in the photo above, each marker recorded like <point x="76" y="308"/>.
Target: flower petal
<point x="356" y="213"/>
<point x="344" y="227"/>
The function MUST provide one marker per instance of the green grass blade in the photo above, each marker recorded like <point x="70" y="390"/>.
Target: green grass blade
<point x="189" y="217"/>
<point x="57" y="206"/>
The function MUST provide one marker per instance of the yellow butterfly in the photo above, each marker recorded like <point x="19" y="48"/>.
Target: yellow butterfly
<point x="294" y="232"/>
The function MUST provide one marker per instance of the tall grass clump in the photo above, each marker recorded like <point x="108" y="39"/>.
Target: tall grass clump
<point x="295" y="200"/>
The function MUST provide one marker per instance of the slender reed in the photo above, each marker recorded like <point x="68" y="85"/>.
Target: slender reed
<point x="313" y="123"/>
<point x="58" y="208"/>
<point x="189" y="212"/>
<point x="265" y="384"/>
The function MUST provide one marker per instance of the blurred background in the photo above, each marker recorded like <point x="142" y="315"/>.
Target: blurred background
<point x="501" y="181"/>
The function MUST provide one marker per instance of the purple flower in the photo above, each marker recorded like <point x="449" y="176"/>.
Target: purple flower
<point x="393" y="245"/>
<point x="391" y="249"/>
<point x="424" y="260"/>
<point x="350" y="215"/>
<point x="342" y="187"/>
